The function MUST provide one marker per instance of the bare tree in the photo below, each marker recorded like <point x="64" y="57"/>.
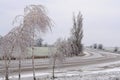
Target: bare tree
<point x="73" y="45"/>
<point x="35" y="20"/>
<point x="22" y="40"/>
<point x="77" y="34"/>
<point x="56" y="56"/>
<point x="21" y="43"/>
<point x="69" y="47"/>
<point x="61" y="46"/>
<point x="7" y="50"/>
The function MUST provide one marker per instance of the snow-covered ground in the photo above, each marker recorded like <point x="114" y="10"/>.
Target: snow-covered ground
<point x="82" y="70"/>
<point x="109" y="74"/>
<point x="105" y="71"/>
<point x="111" y="49"/>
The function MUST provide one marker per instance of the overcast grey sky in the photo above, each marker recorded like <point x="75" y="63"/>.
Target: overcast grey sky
<point x="101" y="22"/>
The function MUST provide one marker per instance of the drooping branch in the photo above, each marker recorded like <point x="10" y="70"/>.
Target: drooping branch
<point x="35" y="18"/>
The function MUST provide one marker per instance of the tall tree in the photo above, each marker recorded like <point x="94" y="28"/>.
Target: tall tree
<point x="35" y="20"/>
<point x="21" y="43"/>
<point x="7" y="48"/>
<point x="22" y="40"/>
<point x="77" y="34"/>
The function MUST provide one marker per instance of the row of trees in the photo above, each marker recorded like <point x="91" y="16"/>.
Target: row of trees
<point x="97" y="46"/>
<point x="100" y="46"/>
<point x="23" y="35"/>
<point x="70" y="47"/>
<point x="39" y="43"/>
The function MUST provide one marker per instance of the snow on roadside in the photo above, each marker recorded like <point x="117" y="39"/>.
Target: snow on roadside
<point x="108" y="74"/>
<point x="91" y="72"/>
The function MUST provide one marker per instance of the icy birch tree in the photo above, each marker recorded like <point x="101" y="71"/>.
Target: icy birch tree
<point x="35" y="20"/>
<point x="7" y="48"/>
<point x="56" y="55"/>
<point x="22" y="40"/>
<point x="19" y="38"/>
<point x="21" y="44"/>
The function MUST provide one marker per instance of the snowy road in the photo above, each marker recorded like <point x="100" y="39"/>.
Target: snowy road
<point x="93" y="60"/>
<point x="92" y="57"/>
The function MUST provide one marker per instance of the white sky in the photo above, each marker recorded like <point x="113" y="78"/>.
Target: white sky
<point x="101" y="22"/>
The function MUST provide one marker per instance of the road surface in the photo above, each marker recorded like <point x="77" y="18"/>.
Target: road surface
<point x="92" y="57"/>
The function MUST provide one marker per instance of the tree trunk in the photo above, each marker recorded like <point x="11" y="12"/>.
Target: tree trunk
<point x="6" y="70"/>
<point x="6" y="74"/>
<point x="19" y="67"/>
<point x="53" y="74"/>
<point x="33" y="65"/>
<point x="34" y="78"/>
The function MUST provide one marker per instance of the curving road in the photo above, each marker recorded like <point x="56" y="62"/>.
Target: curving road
<point x="92" y="57"/>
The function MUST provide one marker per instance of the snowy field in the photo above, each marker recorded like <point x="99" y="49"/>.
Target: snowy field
<point x="111" y="49"/>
